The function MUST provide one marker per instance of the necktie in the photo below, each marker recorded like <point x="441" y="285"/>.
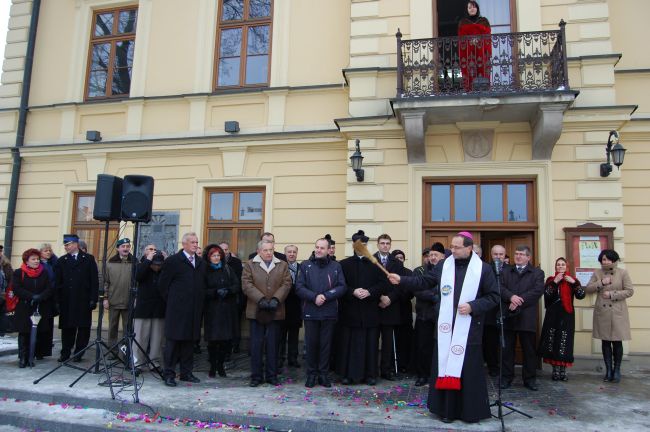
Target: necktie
<point x="383" y="261"/>
<point x="191" y="258"/>
<point x="520" y="270"/>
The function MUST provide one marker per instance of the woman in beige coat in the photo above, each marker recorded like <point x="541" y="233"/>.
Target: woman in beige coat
<point x="611" y="319"/>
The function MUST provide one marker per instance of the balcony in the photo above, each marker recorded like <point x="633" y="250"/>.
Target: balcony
<point x="507" y="77"/>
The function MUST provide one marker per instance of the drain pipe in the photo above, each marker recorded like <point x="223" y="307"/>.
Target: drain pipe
<point x="20" y="132"/>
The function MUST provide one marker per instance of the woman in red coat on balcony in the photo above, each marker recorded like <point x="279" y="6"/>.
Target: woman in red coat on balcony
<point x="474" y="49"/>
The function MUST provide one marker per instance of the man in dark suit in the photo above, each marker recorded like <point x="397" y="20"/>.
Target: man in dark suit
<point x="290" y="326"/>
<point x="491" y="339"/>
<point x="523" y="285"/>
<point x="182" y="285"/>
<point x="389" y="308"/>
<point x="77" y="286"/>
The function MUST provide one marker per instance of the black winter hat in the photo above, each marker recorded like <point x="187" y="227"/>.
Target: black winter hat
<point x="438" y="247"/>
<point x="360" y="235"/>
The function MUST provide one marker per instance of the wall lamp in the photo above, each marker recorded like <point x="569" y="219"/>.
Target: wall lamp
<point x="93" y="135"/>
<point x="357" y="161"/>
<point x="615" y="153"/>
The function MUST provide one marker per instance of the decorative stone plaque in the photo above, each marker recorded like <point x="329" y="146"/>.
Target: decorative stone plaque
<point x="161" y="231"/>
<point x="477" y="144"/>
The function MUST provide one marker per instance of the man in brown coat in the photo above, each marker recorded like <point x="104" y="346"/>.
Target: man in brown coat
<point x="116" y="289"/>
<point x="266" y="283"/>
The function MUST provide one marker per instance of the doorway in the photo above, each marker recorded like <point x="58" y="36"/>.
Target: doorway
<point x="447" y="14"/>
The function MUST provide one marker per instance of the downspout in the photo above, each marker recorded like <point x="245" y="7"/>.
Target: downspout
<point x="20" y="132"/>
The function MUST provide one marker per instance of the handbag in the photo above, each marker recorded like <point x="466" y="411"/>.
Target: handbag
<point x="11" y="300"/>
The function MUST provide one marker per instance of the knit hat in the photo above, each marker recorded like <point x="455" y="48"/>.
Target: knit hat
<point x="360" y="235"/>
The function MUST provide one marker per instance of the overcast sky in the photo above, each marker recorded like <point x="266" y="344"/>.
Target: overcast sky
<point x="4" y="20"/>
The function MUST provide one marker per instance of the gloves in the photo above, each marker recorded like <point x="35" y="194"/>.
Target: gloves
<point x="263" y="304"/>
<point x="273" y="304"/>
<point x="223" y="292"/>
<point x="93" y="305"/>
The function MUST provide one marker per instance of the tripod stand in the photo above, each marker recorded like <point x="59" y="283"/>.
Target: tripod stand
<point x="128" y="340"/>
<point x="101" y="348"/>
<point x="502" y="344"/>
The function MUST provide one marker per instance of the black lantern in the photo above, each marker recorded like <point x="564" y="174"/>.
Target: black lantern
<point x="615" y="153"/>
<point x="357" y="161"/>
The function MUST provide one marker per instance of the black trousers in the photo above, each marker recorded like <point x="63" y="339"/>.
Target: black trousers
<point x="178" y="351"/>
<point x="424" y="334"/>
<point x="264" y="335"/>
<point x="491" y="347"/>
<point x="318" y="339"/>
<point x="387" y="359"/>
<point x="404" y="341"/>
<point x="527" y="341"/>
<point x="76" y="337"/>
<point x="241" y="308"/>
<point x="217" y="351"/>
<point x="288" y="342"/>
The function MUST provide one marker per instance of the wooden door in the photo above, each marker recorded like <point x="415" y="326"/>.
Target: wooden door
<point x="510" y="240"/>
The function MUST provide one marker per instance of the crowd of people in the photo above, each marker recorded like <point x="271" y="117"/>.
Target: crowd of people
<point x="357" y="313"/>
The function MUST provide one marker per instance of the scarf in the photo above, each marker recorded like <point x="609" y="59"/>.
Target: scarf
<point x="216" y="266"/>
<point x="566" y="294"/>
<point x="32" y="272"/>
<point x="293" y="269"/>
<point x="452" y="340"/>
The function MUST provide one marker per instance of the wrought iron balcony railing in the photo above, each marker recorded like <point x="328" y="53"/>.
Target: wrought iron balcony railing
<point x="485" y="64"/>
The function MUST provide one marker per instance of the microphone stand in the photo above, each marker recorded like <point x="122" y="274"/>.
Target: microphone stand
<point x="502" y="345"/>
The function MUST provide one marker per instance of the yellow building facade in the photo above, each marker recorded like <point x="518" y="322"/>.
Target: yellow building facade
<point x="304" y="79"/>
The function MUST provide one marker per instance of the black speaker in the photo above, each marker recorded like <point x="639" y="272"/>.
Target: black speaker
<point x="108" y="198"/>
<point x="137" y="198"/>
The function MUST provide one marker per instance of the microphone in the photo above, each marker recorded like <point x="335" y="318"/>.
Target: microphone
<point x="498" y="265"/>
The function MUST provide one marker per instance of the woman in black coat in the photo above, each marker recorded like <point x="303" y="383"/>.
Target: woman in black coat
<point x="220" y="309"/>
<point x="556" y="342"/>
<point x="33" y="287"/>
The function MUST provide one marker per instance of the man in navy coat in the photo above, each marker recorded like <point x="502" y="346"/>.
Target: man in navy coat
<point x="77" y="287"/>
<point x="320" y="284"/>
